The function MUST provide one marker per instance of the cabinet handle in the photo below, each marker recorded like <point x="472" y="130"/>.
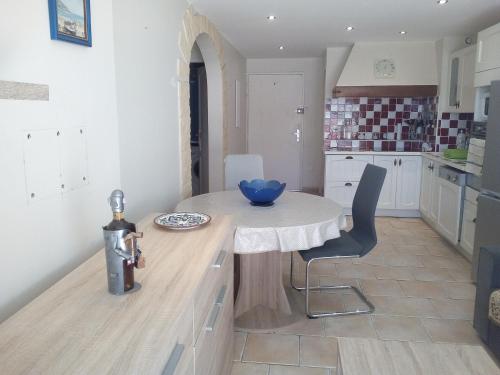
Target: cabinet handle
<point x="220" y="259"/>
<point x="348" y="184"/>
<point x="214" y="315"/>
<point x="458" y="104"/>
<point x="349" y="157"/>
<point x="395" y="162"/>
<point x="474" y="220"/>
<point x="400" y="162"/>
<point x="173" y="360"/>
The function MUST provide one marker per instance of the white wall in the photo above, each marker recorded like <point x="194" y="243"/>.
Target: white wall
<point x="415" y="64"/>
<point x="336" y="58"/>
<point x="44" y="240"/>
<point x="235" y="69"/>
<point x="146" y="52"/>
<point x="314" y="83"/>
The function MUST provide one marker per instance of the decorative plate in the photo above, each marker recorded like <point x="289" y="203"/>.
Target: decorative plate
<point x="182" y="220"/>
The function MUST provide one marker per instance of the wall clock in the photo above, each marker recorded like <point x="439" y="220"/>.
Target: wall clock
<point x="384" y="68"/>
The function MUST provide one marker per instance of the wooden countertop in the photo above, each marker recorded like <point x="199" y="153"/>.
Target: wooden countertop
<point x="77" y="327"/>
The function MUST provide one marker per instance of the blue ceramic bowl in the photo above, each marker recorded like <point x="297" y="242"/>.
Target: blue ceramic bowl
<point x="261" y="192"/>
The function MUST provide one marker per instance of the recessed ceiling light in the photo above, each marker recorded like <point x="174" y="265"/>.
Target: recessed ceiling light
<point x="272" y="18"/>
<point x="349" y="28"/>
<point x="282" y="48"/>
<point x="402" y="32"/>
<point x="442" y="2"/>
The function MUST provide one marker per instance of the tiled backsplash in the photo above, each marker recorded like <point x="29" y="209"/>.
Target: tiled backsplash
<point x="370" y="124"/>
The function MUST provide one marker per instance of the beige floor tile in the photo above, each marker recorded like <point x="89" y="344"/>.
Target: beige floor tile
<point x="349" y="326"/>
<point x="454" y="309"/>
<point x="461" y="275"/>
<point x="239" y="344"/>
<point x="381" y="288"/>
<point x="461" y="290"/>
<point x="272" y="348"/>
<point x="447" y="262"/>
<point x="393" y="273"/>
<point x="249" y="369"/>
<point x="305" y="326"/>
<point x="431" y="274"/>
<point x="352" y="302"/>
<point x="424" y="289"/>
<point x="402" y="260"/>
<point x="440" y="250"/>
<point x="404" y="306"/>
<point x="411" y="249"/>
<point x="375" y="258"/>
<point x="318" y="351"/>
<point x="447" y="330"/>
<point x="325" y="302"/>
<point x="338" y="281"/>
<point x="399" y="328"/>
<point x="356" y="271"/>
<point x="322" y="267"/>
<point x="293" y="370"/>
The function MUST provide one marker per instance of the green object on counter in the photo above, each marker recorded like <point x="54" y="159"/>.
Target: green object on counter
<point x="458" y="154"/>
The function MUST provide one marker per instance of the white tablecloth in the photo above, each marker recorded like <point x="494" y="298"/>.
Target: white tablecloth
<point x="297" y="221"/>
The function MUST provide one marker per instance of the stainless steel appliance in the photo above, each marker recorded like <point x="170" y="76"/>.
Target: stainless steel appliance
<point x="488" y="211"/>
<point x="122" y="252"/>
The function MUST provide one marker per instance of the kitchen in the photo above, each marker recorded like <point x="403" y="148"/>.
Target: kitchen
<point x="325" y="94"/>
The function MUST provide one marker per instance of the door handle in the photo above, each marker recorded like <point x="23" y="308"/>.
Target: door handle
<point x="400" y="162"/>
<point x="395" y="162"/>
<point x="297" y="134"/>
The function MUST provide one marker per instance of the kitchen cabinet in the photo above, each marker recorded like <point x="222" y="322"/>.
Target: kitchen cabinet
<point x="449" y="211"/>
<point x="426" y="192"/>
<point x="400" y="194"/>
<point x="401" y="188"/>
<point x="488" y="51"/>
<point x="469" y="221"/>
<point x="461" y="93"/>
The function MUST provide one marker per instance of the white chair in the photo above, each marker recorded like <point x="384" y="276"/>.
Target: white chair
<point x="242" y="167"/>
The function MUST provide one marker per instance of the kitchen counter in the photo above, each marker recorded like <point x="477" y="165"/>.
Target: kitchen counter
<point x="77" y="327"/>
<point x="435" y="156"/>
<point x="438" y="157"/>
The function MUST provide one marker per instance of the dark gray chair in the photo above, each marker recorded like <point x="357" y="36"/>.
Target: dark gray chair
<point x="353" y="244"/>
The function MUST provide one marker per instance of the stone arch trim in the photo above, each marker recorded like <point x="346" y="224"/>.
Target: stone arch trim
<point x="194" y="25"/>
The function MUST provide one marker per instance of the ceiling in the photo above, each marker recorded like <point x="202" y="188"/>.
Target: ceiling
<point x="307" y="27"/>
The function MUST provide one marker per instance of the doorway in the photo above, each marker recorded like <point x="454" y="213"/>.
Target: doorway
<point x="275" y="125"/>
<point x="198" y="102"/>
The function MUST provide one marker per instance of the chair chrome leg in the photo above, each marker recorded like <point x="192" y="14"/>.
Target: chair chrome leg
<point x="314" y="315"/>
<point x="291" y="275"/>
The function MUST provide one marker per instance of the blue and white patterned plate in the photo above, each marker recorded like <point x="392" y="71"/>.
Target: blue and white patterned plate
<point x="182" y="220"/>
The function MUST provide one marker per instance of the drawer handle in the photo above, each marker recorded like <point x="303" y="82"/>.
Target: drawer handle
<point x="349" y="157"/>
<point x="220" y="259"/>
<point x="214" y="315"/>
<point x="173" y="360"/>
<point x="348" y="184"/>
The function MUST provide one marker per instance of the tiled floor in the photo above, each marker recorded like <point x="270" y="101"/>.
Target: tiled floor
<point x="420" y="287"/>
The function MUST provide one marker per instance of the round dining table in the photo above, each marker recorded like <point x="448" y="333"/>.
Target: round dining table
<point x="296" y="221"/>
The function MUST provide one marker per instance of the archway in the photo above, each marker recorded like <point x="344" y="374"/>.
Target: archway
<point x="197" y="29"/>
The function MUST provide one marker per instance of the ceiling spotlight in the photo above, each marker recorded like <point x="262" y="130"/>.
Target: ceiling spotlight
<point x="349" y="28"/>
<point x="282" y="48"/>
<point x="402" y="32"/>
<point x="442" y="2"/>
<point x="272" y="18"/>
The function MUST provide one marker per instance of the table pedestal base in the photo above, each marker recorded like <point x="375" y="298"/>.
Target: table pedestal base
<point x="262" y="303"/>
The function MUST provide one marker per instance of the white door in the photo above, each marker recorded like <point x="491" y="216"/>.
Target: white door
<point x="408" y="185"/>
<point x="488" y="53"/>
<point x="387" y="198"/>
<point x="275" y="124"/>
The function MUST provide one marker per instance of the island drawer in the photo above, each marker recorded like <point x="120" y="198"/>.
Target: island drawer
<point x="220" y="267"/>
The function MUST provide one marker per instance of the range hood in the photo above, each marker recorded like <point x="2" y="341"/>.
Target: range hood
<point x="389" y="69"/>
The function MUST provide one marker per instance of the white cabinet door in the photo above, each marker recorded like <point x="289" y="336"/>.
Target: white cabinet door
<point x="345" y="167"/>
<point x="488" y="52"/>
<point x="387" y="198"/>
<point x="468" y="227"/>
<point x="342" y="192"/>
<point x="461" y="94"/>
<point x="450" y="199"/>
<point x="408" y="182"/>
<point x="426" y="187"/>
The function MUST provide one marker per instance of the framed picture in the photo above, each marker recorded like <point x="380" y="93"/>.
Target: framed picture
<point x="70" y="21"/>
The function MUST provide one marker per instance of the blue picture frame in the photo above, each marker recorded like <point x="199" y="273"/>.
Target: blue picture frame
<point x="70" y="21"/>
